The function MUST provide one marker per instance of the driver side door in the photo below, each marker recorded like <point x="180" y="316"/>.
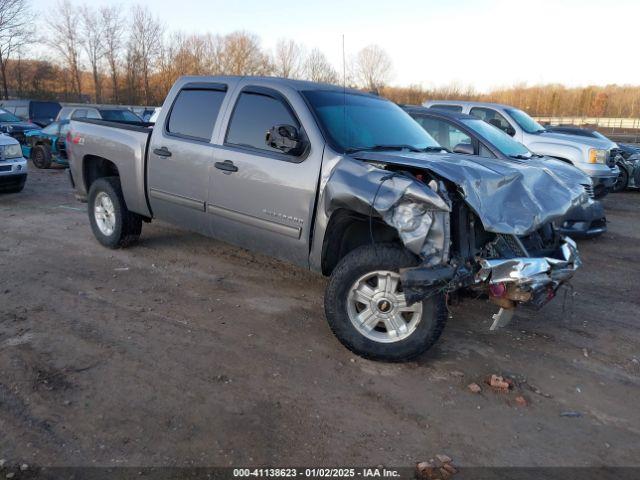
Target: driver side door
<point x="261" y="198"/>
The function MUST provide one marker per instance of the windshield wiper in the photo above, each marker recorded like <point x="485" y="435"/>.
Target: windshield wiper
<point x="520" y="157"/>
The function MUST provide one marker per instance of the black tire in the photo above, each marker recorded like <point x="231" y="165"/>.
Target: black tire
<point x="41" y="157"/>
<point x="621" y="182"/>
<point x="127" y="225"/>
<point x="359" y="262"/>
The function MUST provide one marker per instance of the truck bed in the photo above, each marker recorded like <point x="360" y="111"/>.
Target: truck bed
<point x="123" y="145"/>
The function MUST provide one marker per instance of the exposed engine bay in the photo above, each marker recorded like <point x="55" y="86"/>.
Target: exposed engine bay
<point x="519" y="261"/>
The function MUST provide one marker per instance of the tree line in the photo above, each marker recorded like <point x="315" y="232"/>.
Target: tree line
<point x="105" y="54"/>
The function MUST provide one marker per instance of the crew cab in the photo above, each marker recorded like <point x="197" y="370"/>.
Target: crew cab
<point x="591" y="155"/>
<point x="340" y="182"/>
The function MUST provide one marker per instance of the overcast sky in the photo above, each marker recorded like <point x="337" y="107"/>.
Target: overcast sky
<point x="486" y="44"/>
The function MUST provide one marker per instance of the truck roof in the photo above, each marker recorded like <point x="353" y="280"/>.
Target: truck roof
<point x="300" y="85"/>
<point x="465" y="103"/>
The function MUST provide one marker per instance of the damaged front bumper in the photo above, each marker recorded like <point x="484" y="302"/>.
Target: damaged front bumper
<point x="509" y="282"/>
<point x="531" y="281"/>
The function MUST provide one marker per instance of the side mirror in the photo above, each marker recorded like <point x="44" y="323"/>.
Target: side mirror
<point x="285" y="138"/>
<point x="464" y="148"/>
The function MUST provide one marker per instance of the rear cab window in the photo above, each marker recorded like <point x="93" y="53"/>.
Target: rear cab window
<point x="450" y="108"/>
<point x="194" y="112"/>
<point x="256" y="111"/>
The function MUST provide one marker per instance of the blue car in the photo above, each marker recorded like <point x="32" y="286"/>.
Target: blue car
<point x="47" y="145"/>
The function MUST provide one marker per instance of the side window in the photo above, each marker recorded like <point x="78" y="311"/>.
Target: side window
<point x="485" y="152"/>
<point x="451" y="108"/>
<point x="253" y="115"/>
<point x="80" y="113"/>
<point x="492" y="117"/>
<point x="194" y="113"/>
<point x="446" y="134"/>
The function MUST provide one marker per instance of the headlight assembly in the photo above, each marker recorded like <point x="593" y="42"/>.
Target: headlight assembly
<point x="597" y="156"/>
<point x="10" y="151"/>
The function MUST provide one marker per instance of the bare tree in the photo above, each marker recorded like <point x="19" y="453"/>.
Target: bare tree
<point x="373" y="67"/>
<point x="113" y="32"/>
<point x="318" y="69"/>
<point x="15" y="32"/>
<point x="94" y="47"/>
<point x="288" y="59"/>
<point x="242" y="55"/>
<point x="146" y="35"/>
<point x="65" y="40"/>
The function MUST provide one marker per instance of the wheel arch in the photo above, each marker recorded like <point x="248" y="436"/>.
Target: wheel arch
<point x="348" y="230"/>
<point x="94" y="167"/>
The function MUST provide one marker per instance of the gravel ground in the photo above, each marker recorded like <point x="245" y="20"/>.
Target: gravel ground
<point x="185" y="351"/>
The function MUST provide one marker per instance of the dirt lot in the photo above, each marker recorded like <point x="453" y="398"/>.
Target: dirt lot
<point x="186" y="351"/>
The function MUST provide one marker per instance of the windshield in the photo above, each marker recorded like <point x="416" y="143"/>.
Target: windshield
<point x="526" y="123"/>
<point x="8" y="117"/>
<point x="360" y="122"/>
<point x="503" y="142"/>
<point x="120" y="116"/>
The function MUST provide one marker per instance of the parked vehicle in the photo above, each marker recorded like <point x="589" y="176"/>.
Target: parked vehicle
<point x="145" y="113"/>
<point x="591" y="155"/>
<point x="627" y="156"/>
<point x="154" y="117"/>
<point x="113" y="114"/>
<point x="343" y="183"/>
<point x="47" y="145"/>
<point x="13" y="126"/>
<point x="13" y="167"/>
<point x="40" y="112"/>
<point x="469" y="135"/>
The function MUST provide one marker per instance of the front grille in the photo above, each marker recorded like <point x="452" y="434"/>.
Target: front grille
<point x="589" y="189"/>
<point x="5" y="168"/>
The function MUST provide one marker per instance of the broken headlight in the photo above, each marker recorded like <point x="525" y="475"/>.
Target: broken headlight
<point x="408" y="217"/>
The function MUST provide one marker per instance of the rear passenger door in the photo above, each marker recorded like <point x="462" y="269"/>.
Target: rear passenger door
<point x="181" y="154"/>
<point x="261" y="198"/>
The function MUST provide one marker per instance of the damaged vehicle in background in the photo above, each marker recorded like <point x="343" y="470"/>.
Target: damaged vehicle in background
<point x="591" y="155"/>
<point x="465" y="134"/>
<point x="345" y="184"/>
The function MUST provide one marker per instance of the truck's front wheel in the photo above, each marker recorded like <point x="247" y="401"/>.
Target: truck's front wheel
<point x="112" y="223"/>
<point x="366" y="308"/>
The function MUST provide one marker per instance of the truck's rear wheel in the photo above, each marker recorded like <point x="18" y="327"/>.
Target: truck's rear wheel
<point x="112" y="223"/>
<point x="366" y="309"/>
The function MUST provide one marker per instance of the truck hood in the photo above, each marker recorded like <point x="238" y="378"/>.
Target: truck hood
<point x="509" y="197"/>
<point x="564" y="139"/>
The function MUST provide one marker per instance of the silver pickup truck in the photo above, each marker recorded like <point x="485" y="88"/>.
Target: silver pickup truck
<point x="339" y="182"/>
<point x="591" y="155"/>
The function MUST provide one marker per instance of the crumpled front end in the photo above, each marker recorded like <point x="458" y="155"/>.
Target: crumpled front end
<point x="531" y="281"/>
<point x="459" y="247"/>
